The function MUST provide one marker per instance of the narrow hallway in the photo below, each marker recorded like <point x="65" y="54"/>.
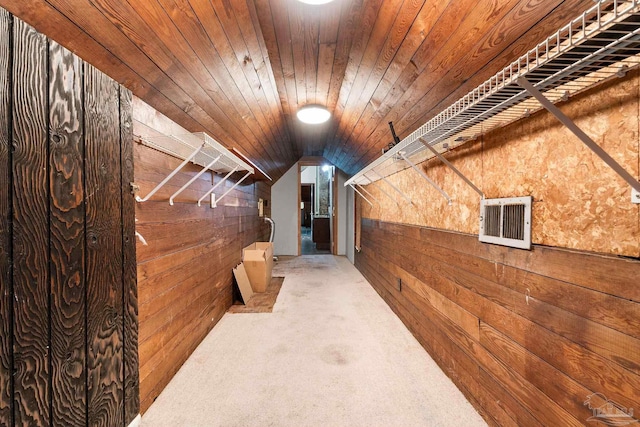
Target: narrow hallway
<point x="332" y="353"/>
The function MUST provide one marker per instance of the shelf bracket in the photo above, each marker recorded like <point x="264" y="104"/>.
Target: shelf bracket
<point x="369" y="194"/>
<point x="361" y="195"/>
<point x="385" y="192"/>
<point x="174" y="195"/>
<point x="424" y="175"/>
<point x="171" y="175"/>
<point x="394" y="187"/>
<point x="217" y="185"/>
<point x="453" y="168"/>
<point x="590" y="143"/>
<point x="215" y="202"/>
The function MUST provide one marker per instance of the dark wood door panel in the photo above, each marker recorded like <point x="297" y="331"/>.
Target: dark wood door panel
<point x="64" y="263"/>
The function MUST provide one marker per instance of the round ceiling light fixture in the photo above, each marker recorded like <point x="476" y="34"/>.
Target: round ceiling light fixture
<point x="313" y="114"/>
<point x="315" y="2"/>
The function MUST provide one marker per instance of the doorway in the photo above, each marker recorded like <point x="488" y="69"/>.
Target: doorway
<point x="316" y="209"/>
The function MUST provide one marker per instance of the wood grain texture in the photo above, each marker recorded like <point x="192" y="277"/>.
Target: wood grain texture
<point x="104" y="268"/>
<point x="241" y="70"/>
<point x="129" y="275"/>
<point x="425" y="318"/>
<point x="6" y="287"/>
<point x="67" y="239"/>
<point x="185" y="265"/>
<point x="545" y="354"/>
<point x="30" y="227"/>
<point x="54" y="370"/>
<point x="593" y="213"/>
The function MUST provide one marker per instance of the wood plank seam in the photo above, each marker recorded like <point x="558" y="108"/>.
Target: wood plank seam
<point x="380" y="249"/>
<point x="449" y="336"/>
<point x="6" y="213"/>
<point x="31" y="307"/>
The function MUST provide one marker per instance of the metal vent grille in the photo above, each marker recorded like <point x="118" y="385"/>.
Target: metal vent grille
<point x="492" y="220"/>
<point x="506" y="221"/>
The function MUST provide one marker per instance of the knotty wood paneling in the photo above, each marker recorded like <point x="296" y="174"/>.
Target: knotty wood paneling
<point x="130" y="302"/>
<point x="104" y="250"/>
<point x="30" y="227"/>
<point x="67" y="274"/>
<point x="6" y="358"/>
<point x="67" y="238"/>
<point x="528" y="343"/>
<point x="185" y="263"/>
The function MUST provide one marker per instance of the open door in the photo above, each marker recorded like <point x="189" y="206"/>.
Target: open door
<point x="317" y="201"/>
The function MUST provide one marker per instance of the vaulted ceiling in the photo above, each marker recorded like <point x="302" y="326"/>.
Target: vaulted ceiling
<point x="240" y="69"/>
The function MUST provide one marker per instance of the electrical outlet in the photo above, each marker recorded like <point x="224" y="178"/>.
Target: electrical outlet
<point x="635" y="196"/>
<point x="213" y="200"/>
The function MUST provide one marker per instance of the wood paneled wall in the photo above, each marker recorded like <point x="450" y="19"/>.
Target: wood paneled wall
<point x="527" y="336"/>
<point x="68" y="328"/>
<point x="185" y="265"/>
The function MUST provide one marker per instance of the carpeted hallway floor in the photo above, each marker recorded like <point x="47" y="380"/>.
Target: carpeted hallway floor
<point x="331" y="354"/>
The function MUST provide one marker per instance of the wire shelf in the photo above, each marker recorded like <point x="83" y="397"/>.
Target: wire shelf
<point x="197" y="148"/>
<point x="183" y="145"/>
<point x="602" y="43"/>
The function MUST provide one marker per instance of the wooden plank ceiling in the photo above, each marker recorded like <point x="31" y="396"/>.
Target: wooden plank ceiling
<point x="240" y="69"/>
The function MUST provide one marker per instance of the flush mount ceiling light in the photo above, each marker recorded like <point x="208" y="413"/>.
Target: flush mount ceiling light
<point x="315" y="1"/>
<point x="313" y="114"/>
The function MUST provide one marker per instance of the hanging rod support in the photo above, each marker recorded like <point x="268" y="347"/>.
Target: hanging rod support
<point x="215" y="202"/>
<point x="393" y="186"/>
<point x="453" y="168"/>
<point x="217" y="185"/>
<point x="198" y="175"/>
<point x="424" y="175"/>
<point x="361" y="195"/>
<point x="171" y="175"/>
<point x="369" y="194"/>
<point x="550" y="107"/>
<point x="385" y="192"/>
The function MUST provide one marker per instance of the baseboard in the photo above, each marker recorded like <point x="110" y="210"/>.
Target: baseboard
<point x="136" y="421"/>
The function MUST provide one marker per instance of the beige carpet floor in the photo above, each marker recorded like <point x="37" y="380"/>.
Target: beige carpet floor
<point x="332" y="353"/>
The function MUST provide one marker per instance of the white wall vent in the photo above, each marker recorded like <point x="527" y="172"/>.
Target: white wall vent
<point x="506" y="221"/>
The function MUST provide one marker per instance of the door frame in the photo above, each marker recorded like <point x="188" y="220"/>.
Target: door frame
<point x="319" y="161"/>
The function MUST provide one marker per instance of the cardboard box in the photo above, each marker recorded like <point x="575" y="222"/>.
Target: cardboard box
<point x="240" y="273"/>
<point x="258" y="261"/>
